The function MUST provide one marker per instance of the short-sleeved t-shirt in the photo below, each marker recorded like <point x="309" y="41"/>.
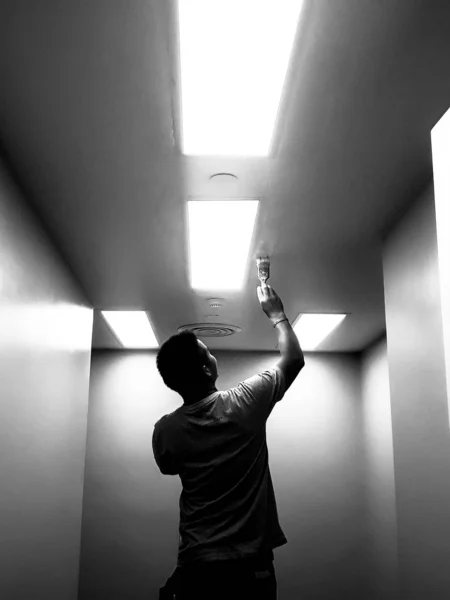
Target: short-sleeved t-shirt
<point x="218" y="448"/>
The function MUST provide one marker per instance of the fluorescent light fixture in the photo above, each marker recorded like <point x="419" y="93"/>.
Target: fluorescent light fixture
<point x="220" y="234"/>
<point x="312" y="329"/>
<point x="132" y="328"/>
<point x="234" y="56"/>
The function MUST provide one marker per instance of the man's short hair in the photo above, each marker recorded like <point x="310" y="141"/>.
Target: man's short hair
<point x="180" y="360"/>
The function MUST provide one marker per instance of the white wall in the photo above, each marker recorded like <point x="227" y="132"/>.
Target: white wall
<point x="379" y="474"/>
<point x="314" y="436"/>
<point x="440" y="140"/>
<point x="420" y="420"/>
<point x="45" y="348"/>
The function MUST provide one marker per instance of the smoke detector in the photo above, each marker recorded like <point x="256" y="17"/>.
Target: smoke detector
<point x="210" y="329"/>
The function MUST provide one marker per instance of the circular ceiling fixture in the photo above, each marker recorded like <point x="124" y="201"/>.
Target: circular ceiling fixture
<point x="223" y="178"/>
<point x="210" y="329"/>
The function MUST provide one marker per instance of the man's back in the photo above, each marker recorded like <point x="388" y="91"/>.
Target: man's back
<point x="218" y="447"/>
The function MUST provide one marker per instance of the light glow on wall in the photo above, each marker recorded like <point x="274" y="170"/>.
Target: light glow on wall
<point x="440" y="144"/>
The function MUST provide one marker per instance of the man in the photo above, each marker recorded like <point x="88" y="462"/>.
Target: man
<point x="216" y="443"/>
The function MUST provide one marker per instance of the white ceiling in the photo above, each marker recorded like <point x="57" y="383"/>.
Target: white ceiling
<point x="89" y="126"/>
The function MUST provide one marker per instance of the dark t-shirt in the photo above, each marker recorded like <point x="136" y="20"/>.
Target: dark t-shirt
<point x="218" y="448"/>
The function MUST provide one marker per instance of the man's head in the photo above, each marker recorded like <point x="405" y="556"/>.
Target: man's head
<point x="186" y="364"/>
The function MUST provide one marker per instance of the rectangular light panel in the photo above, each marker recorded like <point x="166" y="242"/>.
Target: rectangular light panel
<point x="220" y="234"/>
<point x="312" y="329"/>
<point x="234" y="56"/>
<point x="132" y="328"/>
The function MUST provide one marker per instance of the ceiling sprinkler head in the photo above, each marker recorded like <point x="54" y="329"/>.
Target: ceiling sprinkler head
<point x="216" y="302"/>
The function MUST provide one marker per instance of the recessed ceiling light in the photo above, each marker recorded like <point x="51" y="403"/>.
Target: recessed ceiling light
<point x="234" y="56"/>
<point x="132" y="328"/>
<point x="312" y="329"/>
<point x="220" y="234"/>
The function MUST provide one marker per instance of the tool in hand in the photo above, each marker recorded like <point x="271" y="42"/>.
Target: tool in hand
<point x="263" y="266"/>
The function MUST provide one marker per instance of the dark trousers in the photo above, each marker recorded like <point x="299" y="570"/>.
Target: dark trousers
<point x="242" y="579"/>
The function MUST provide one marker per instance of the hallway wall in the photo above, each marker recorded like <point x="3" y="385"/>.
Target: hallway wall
<point x="45" y="348"/>
<point x="314" y="436"/>
<point x="420" y="423"/>
<point x="379" y="476"/>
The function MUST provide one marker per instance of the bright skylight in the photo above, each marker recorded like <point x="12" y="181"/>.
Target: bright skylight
<point x="234" y="59"/>
<point x="132" y="328"/>
<point x="220" y="234"/>
<point x="312" y="329"/>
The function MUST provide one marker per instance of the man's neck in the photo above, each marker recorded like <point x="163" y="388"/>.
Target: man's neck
<point x="198" y="395"/>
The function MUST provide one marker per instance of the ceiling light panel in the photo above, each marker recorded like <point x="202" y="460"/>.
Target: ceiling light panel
<point x="234" y="56"/>
<point x="312" y="329"/>
<point x="132" y="328"/>
<point x="220" y="235"/>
